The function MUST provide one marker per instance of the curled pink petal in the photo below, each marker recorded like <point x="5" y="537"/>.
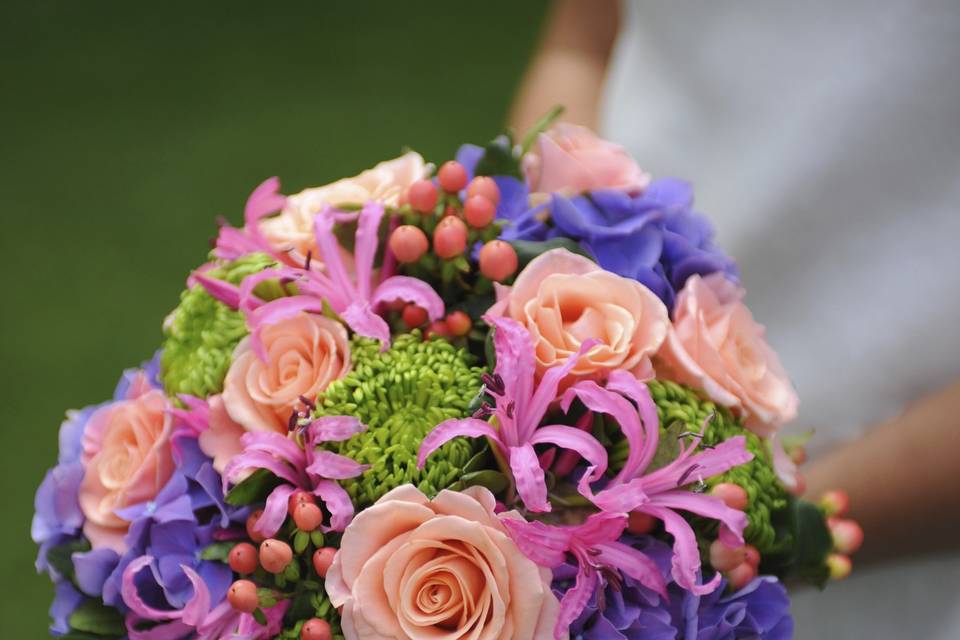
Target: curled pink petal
<point x="236" y="468"/>
<point x="546" y="391"/>
<point x="326" y="464"/>
<point x="411" y="290"/>
<point x="334" y="429"/>
<point x="274" y="511"/>
<point x="365" y="246"/>
<point x="574" y="601"/>
<point x="274" y="444"/>
<point x="450" y="429"/>
<point x="575" y="440"/>
<point x="635" y="564"/>
<point x="360" y="317"/>
<point x="529" y="477"/>
<point x="732" y="521"/>
<point x="545" y="545"/>
<point x="131" y="597"/>
<point x="225" y="292"/>
<point x="338" y="503"/>
<point x="686" y="554"/>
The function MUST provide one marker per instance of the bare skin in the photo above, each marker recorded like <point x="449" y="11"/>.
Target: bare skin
<point x="901" y="476"/>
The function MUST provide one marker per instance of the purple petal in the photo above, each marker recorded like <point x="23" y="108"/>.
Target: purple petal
<point x="365" y="247"/>
<point x="334" y="429"/>
<point x="274" y="511"/>
<point x="450" y="429"/>
<point x="92" y="568"/>
<point x="575" y="440"/>
<point x="326" y="464"/>
<point x="635" y="564"/>
<point x="409" y="290"/>
<point x="338" y="503"/>
<point x="529" y="477"/>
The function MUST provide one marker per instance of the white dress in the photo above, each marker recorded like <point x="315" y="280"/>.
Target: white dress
<point x="823" y="139"/>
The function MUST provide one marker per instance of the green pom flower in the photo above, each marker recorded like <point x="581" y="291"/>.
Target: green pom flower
<point x="401" y="395"/>
<point x="202" y="332"/>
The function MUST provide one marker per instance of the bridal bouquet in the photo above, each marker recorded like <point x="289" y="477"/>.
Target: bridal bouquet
<point x="516" y="396"/>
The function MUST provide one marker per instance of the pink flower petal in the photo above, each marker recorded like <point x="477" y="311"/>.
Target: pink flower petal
<point x="575" y="440"/>
<point x="131" y="596"/>
<point x="338" y="503"/>
<point x="450" y="429"/>
<point x="686" y="555"/>
<point x="409" y="290"/>
<point x="365" y="246"/>
<point x="326" y="464"/>
<point x="529" y="478"/>
<point x="274" y="511"/>
<point x="275" y="444"/>
<point x="360" y="317"/>
<point x="545" y="545"/>
<point x="574" y="601"/>
<point x="329" y="250"/>
<point x="732" y="521"/>
<point x="334" y="429"/>
<point x="546" y="391"/>
<point x="225" y="292"/>
<point x="258" y="460"/>
<point x="627" y="385"/>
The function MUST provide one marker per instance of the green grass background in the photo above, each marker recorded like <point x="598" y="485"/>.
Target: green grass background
<point x="125" y="127"/>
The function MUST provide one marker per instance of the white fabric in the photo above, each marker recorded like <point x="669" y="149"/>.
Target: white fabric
<point x="824" y="142"/>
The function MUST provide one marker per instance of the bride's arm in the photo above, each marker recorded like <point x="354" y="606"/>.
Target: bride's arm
<point x="570" y="63"/>
<point x="902" y="478"/>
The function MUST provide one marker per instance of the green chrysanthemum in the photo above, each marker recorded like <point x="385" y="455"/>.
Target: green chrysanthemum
<point x="401" y="394"/>
<point x="202" y="332"/>
<point x="680" y="409"/>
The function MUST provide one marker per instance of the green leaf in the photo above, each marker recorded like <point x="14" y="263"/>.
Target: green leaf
<point x="292" y="572"/>
<point x="492" y="480"/>
<point x="61" y="557"/>
<point x="316" y="537"/>
<point x="300" y="541"/>
<point x="259" y="616"/>
<point x="499" y="160"/>
<point x="219" y="551"/>
<point x="92" y="616"/>
<point x="527" y="250"/>
<point x="255" y="488"/>
<point x="479" y="461"/>
<point x="540" y="126"/>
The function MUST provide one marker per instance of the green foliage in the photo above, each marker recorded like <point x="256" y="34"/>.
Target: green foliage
<point x="499" y="159"/>
<point x="806" y="543"/>
<point x="202" y="332"/>
<point x="92" y="616"/>
<point x="254" y="488"/>
<point x="401" y="395"/>
<point x="528" y="250"/>
<point x="60" y="557"/>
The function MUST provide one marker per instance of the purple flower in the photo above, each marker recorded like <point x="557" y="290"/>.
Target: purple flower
<point x="654" y="237"/>
<point x="628" y="609"/>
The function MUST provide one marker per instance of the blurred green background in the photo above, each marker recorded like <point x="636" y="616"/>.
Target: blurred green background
<point x="127" y="127"/>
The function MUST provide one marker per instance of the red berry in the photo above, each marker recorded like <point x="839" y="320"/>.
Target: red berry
<point x="438" y="328"/>
<point x="422" y="196"/>
<point x="641" y="523"/>
<point x="498" y="260"/>
<point x="479" y="212"/>
<point x="798" y="454"/>
<point x="753" y="555"/>
<point x="298" y="497"/>
<point x="242" y="596"/>
<point x="835" y="503"/>
<point x="322" y="559"/>
<point x="741" y="575"/>
<point x="452" y="176"/>
<point x="459" y="323"/>
<point x="408" y="243"/>
<point x="307" y="516"/>
<point x="414" y="316"/>
<point x="256" y="536"/>
<point x="839" y="565"/>
<point x="847" y="535"/>
<point x="486" y="187"/>
<point x="243" y="558"/>
<point x="316" y="629"/>
<point x="275" y="555"/>
<point x="732" y="495"/>
<point x="724" y="558"/>
<point x="450" y="237"/>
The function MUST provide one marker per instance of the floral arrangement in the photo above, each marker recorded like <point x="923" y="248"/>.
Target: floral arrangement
<point x="519" y="396"/>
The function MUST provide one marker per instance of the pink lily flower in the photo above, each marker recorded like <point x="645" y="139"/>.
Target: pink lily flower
<point x="599" y="555"/>
<point x="354" y="297"/>
<point x="520" y="406"/>
<point x="196" y="616"/>
<point x="661" y="493"/>
<point x="308" y="469"/>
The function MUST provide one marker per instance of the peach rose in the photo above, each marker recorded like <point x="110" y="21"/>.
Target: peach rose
<point x="716" y="345"/>
<point x="564" y="299"/>
<point x="412" y="568"/>
<point x="384" y="183"/>
<point x="127" y="460"/>
<point x="304" y="355"/>
<point x="572" y="158"/>
<point x="221" y="439"/>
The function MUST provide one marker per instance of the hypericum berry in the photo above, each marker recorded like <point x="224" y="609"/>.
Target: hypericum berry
<point x="498" y="260"/>
<point x="275" y="555"/>
<point x="243" y="558"/>
<point x="641" y="523"/>
<point x="437" y="328"/>
<point x="322" y="559"/>
<point x="847" y="535"/>
<point x="479" y="211"/>
<point x="307" y="516"/>
<point x="316" y="629"/>
<point x="459" y="323"/>
<point x="753" y="555"/>
<point x="486" y="187"/>
<point x="413" y="316"/>
<point x="724" y="558"/>
<point x="251" y="523"/>
<point x="741" y="575"/>
<point x="299" y="497"/>
<point x="835" y="503"/>
<point x="452" y="176"/>
<point x="450" y="237"/>
<point x="408" y="243"/>
<point x="798" y="454"/>
<point x="242" y="596"/>
<point x="422" y="196"/>
<point x="733" y="495"/>
<point x="840" y="566"/>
